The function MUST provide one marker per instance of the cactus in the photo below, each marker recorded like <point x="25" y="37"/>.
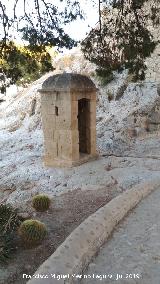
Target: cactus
<point x="32" y="232"/>
<point x="41" y="202"/>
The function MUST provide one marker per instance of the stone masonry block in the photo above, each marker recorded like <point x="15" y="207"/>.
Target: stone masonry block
<point x="64" y="96"/>
<point x="50" y="108"/>
<point x="65" y="144"/>
<point x="50" y="147"/>
<point x="74" y="107"/>
<point x="92" y="106"/>
<point x="63" y="123"/>
<point x="48" y="121"/>
<point x="74" y="123"/>
<point x="48" y="133"/>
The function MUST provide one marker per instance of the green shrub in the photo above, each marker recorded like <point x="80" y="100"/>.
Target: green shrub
<point x="105" y="76"/>
<point x="22" y="64"/>
<point x="41" y="202"/>
<point x="6" y="248"/>
<point x="9" y="221"/>
<point x="32" y="232"/>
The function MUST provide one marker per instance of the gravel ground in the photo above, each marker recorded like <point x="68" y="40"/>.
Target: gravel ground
<point x="132" y="255"/>
<point x="64" y="215"/>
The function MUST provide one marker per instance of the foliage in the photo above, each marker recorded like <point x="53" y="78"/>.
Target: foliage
<point x="41" y="202"/>
<point x="32" y="232"/>
<point x="122" y="40"/>
<point x="21" y="64"/>
<point x="40" y="24"/>
<point x="104" y="75"/>
<point x="9" y="221"/>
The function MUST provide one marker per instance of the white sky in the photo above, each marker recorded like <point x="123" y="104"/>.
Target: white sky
<point x="77" y="29"/>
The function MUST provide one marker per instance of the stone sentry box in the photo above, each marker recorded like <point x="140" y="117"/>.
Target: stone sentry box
<point x="68" y="107"/>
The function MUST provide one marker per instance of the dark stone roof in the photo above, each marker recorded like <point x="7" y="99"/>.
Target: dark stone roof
<point x="68" y="82"/>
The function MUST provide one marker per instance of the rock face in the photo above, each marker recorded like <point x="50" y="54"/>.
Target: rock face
<point x="153" y="62"/>
<point x="146" y="120"/>
<point x="125" y="122"/>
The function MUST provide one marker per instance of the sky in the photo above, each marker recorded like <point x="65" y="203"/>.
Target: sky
<point x="77" y="29"/>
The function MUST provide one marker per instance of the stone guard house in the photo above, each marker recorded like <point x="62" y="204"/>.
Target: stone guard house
<point x="68" y="107"/>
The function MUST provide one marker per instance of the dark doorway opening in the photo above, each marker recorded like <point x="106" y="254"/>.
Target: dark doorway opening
<point x="84" y="126"/>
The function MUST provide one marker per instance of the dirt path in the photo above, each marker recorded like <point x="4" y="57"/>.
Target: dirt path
<point x="66" y="213"/>
<point x="132" y="255"/>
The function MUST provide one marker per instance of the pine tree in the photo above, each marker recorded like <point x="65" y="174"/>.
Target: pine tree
<point x="122" y="38"/>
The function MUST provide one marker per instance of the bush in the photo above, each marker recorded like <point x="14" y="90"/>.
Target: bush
<point x="9" y="221"/>
<point x="22" y="65"/>
<point x="41" y="202"/>
<point x="104" y="75"/>
<point x="32" y="232"/>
